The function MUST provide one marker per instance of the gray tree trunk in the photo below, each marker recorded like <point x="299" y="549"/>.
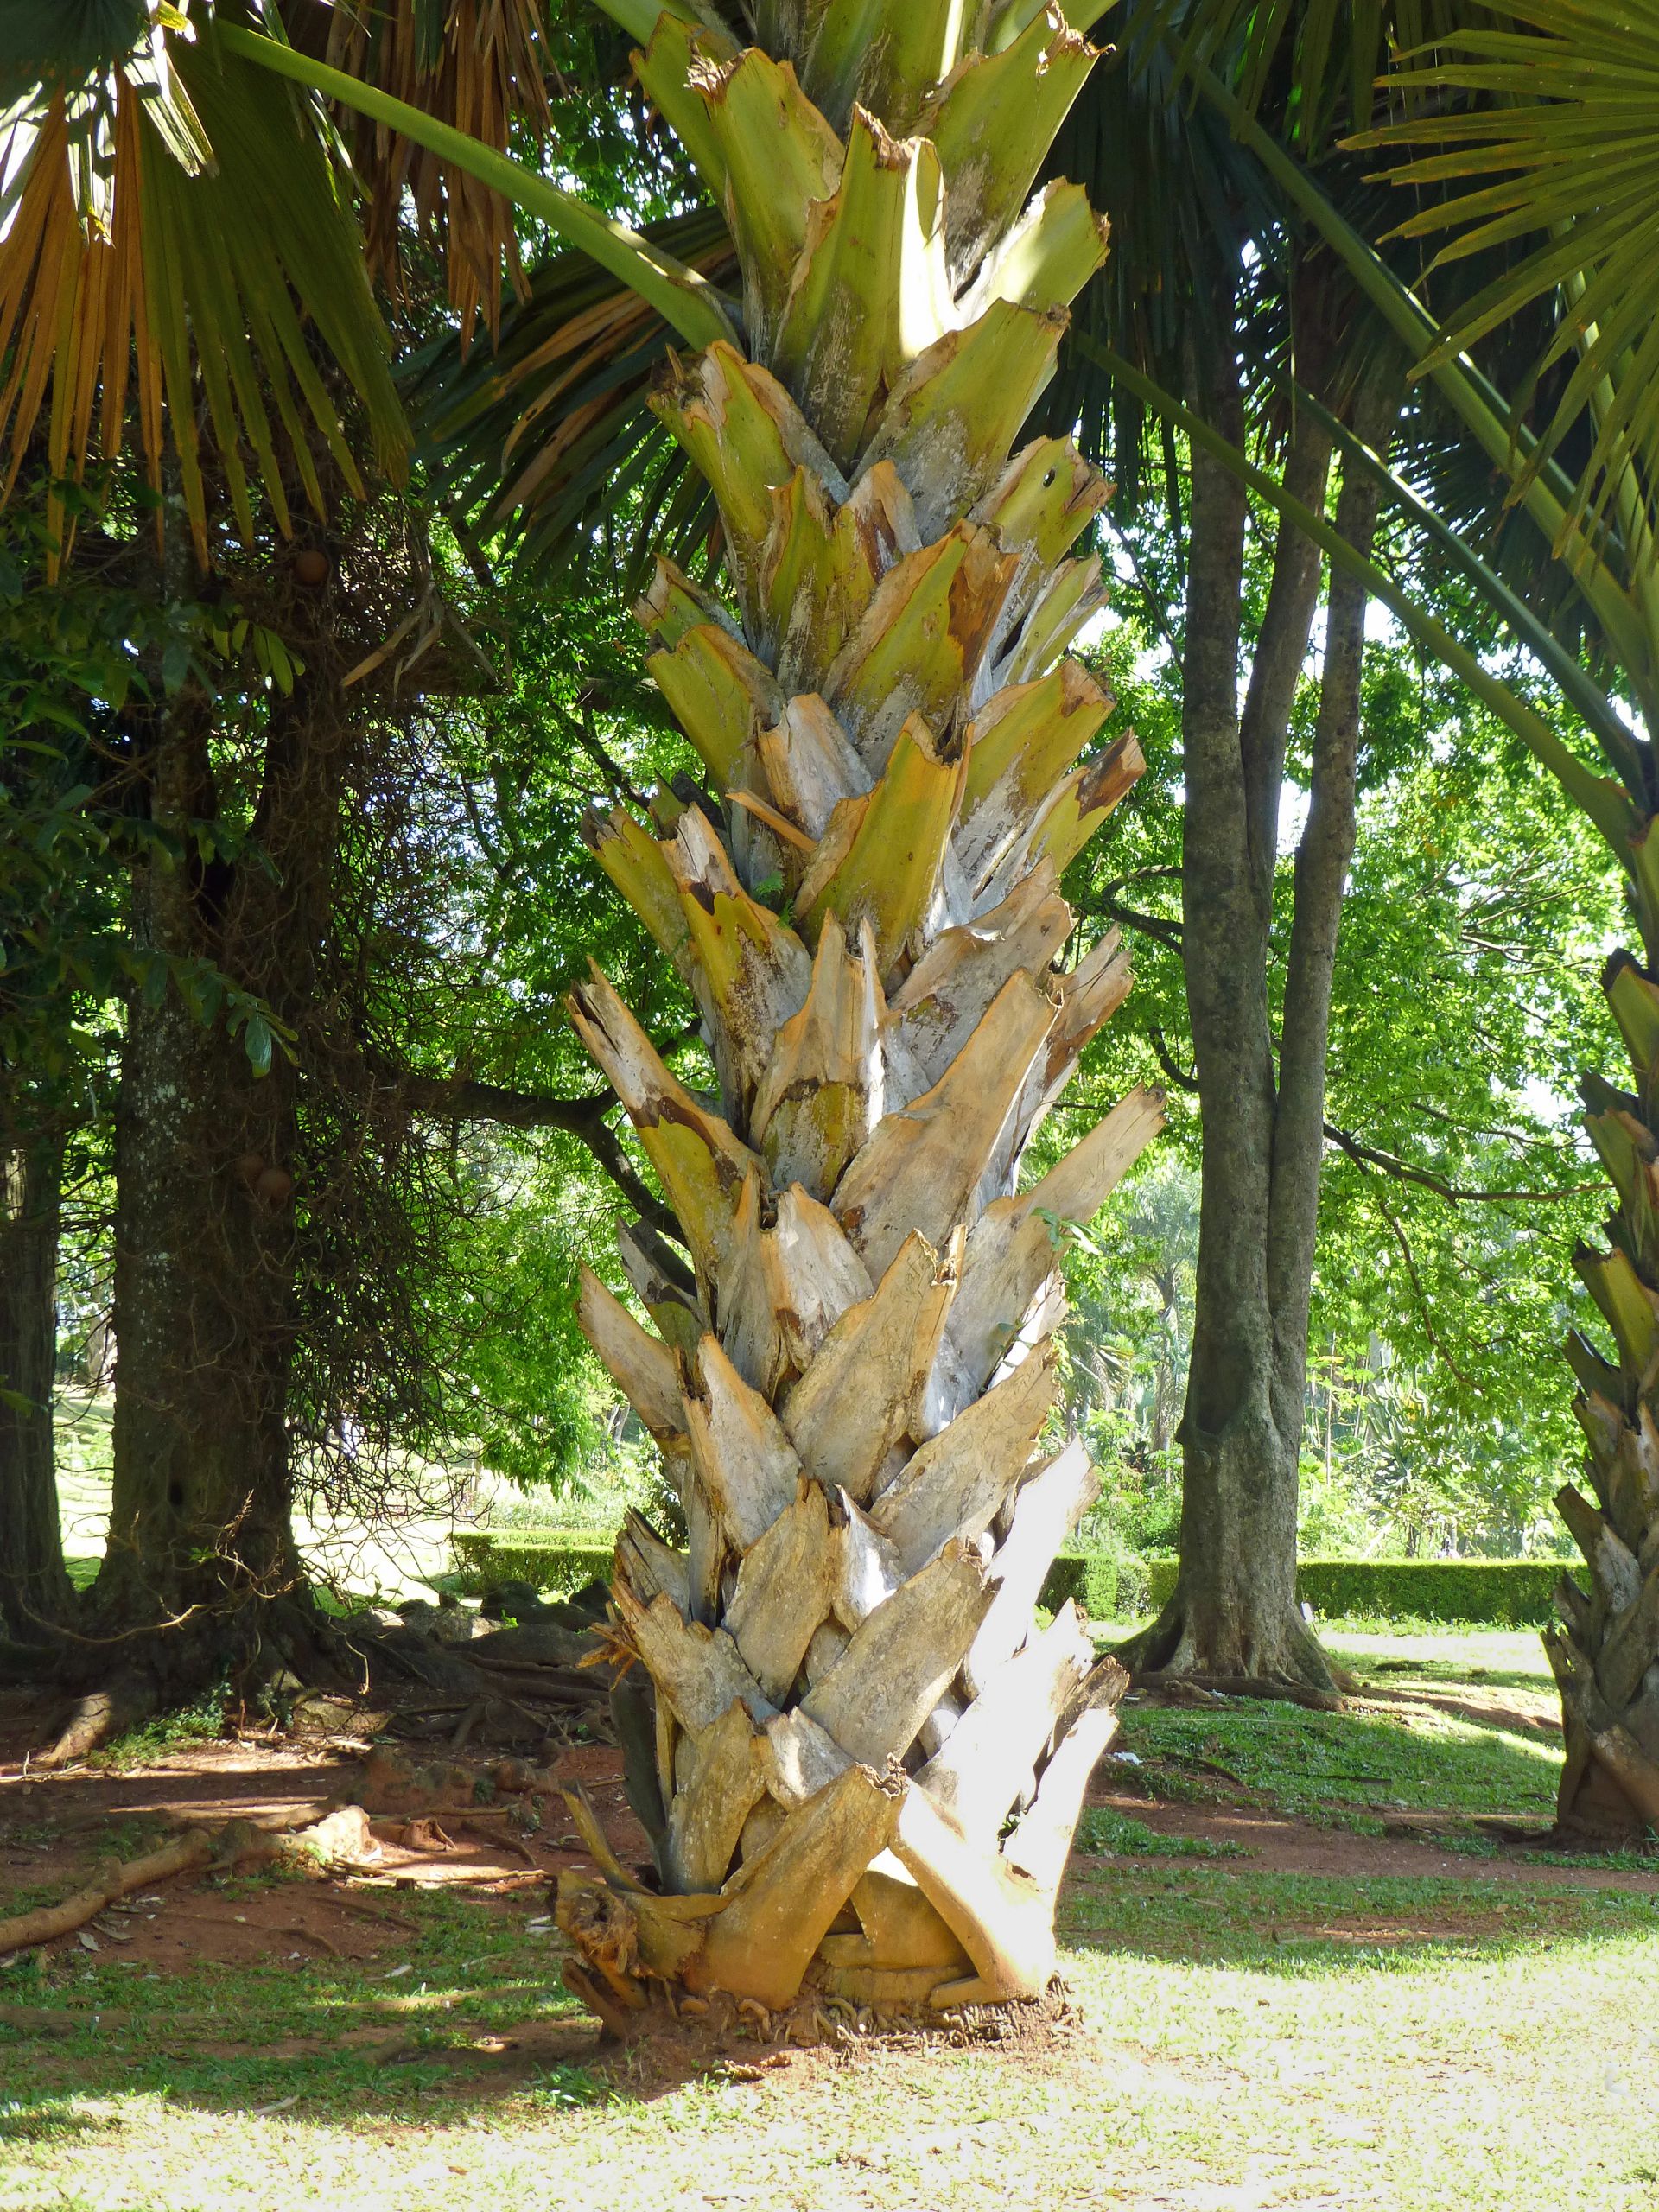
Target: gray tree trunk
<point x="34" y="1588"/>
<point x="1234" y="1611"/>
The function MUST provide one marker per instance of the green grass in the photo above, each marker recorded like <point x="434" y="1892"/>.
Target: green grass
<point x="1461" y="2042"/>
<point x="1102" y="1830"/>
<point x="1251" y="2039"/>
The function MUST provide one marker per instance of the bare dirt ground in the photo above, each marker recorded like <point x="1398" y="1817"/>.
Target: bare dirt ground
<point x="55" y="1829"/>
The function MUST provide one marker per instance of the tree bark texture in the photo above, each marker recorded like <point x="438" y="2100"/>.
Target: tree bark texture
<point x="204" y="1240"/>
<point x="1604" y="1647"/>
<point x="1234" y="1609"/>
<point x="34" y="1588"/>
<point x="868" y="1759"/>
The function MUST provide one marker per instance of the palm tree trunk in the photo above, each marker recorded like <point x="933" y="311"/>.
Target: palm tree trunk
<point x="850" y="1383"/>
<point x="1605" y="1650"/>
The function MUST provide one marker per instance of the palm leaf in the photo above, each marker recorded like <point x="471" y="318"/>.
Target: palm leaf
<point x="1563" y="117"/>
<point x="478" y="65"/>
<point x="547" y="441"/>
<point x="199" y="286"/>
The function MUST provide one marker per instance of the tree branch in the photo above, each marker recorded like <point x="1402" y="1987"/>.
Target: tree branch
<point x="1177" y="1075"/>
<point x="458" y="1099"/>
<point x="1402" y="1171"/>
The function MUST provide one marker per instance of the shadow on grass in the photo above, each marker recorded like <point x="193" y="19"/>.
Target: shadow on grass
<point x="1307" y="1763"/>
<point x="467" y="2015"/>
<point x="1299" y="1925"/>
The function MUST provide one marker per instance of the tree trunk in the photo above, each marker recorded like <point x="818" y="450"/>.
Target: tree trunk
<point x="847" y="1388"/>
<point x="200" y="1549"/>
<point x="1234" y="1609"/>
<point x="34" y="1588"/>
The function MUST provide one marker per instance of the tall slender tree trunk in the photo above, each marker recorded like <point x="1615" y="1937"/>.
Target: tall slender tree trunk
<point x="1234" y="1610"/>
<point x="34" y="1588"/>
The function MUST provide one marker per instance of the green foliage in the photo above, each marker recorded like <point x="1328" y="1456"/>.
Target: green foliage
<point x="1103" y="1585"/>
<point x="1102" y="1830"/>
<point x="1499" y="1592"/>
<point x="1465" y="988"/>
<point x="560" y="1562"/>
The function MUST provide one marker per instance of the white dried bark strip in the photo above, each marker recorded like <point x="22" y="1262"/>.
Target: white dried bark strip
<point x="956" y="1484"/>
<point x="786" y="1897"/>
<point x="949" y="991"/>
<point x="1010" y="1248"/>
<point x="861" y="1393"/>
<point x="813" y="1273"/>
<point x="749" y="1326"/>
<point x="822" y="1093"/>
<point x="641" y="1365"/>
<point x="868" y="1571"/>
<point x="651" y="1567"/>
<point x="1046" y="1507"/>
<point x="801" y="1757"/>
<point x="746" y="1463"/>
<point x="707" y="1816"/>
<point x="811" y="763"/>
<point x="992" y="1752"/>
<point x="1041" y="1840"/>
<point x="697" y="1669"/>
<point x="883" y="1687"/>
<point x="751" y="974"/>
<point x="1003" y="1920"/>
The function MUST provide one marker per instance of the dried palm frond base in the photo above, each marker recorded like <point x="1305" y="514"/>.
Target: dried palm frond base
<point x="820" y="2019"/>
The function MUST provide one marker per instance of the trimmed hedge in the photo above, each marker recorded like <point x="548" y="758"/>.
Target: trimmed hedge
<point x="1497" y="1593"/>
<point x="557" y="1563"/>
<point x="1091" y="1577"/>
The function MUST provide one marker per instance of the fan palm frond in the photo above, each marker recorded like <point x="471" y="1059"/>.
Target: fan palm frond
<point x="1561" y="114"/>
<point x="172" y="229"/>
<point x="548" y="441"/>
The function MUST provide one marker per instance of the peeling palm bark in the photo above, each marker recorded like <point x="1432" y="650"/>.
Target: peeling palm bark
<point x="1604" y="1651"/>
<point x="852" y="1704"/>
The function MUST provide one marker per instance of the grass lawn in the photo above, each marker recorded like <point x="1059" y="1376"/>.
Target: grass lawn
<point x="1282" y="2007"/>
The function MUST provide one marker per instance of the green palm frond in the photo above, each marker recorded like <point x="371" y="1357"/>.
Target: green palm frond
<point x="547" y="440"/>
<point x="1322" y="55"/>
<point x="1563" y="117"/>
<point x="177" y="235"/>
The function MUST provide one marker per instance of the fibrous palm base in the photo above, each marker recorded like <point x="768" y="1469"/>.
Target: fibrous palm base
<point x="1606" y="1652"/>
<point x="851" y="1698"/>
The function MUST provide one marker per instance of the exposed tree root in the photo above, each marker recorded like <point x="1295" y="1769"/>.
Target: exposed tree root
<point x="129" y="1700"/>
<point x="231" y="1845"/>
<point x="1242" y="1686"/>
<point x="1172" y="1647"/>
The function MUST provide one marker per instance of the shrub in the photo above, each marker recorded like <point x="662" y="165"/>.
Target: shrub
<point x="1495" y="1592"/>
<point x="553" y="1559"/>
<point x="1090" y="1578"/>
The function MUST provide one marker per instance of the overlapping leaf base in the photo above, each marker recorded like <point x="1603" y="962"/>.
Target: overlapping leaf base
<point x="868" y="1762"/>
<point x="1606" y="1652"/>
